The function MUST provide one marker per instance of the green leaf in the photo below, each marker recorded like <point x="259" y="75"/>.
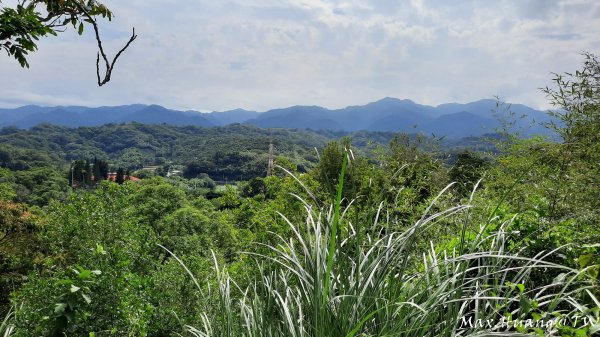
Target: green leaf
<point x="525" y="304"/>
<point x="60" y="308"/>
<point x="64" y="281"/>
<point x="560" y="278"/>
<point x="585" y="259"/>
<point x="80" y="31"/>
<point x="84" y="274"/>
<point x="100" y="249"/>
<point x="87" y="299"/>
<point x="333" y="234"/>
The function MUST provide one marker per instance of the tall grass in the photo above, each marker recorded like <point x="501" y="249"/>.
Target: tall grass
<point x="329" y="281"/>
<point x="7" y="327"/>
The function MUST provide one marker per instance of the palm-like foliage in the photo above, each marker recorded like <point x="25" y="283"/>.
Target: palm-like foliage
<point x="370" y="284"/>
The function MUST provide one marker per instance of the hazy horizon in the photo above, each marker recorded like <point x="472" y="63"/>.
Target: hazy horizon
<point x="262" y="111"/>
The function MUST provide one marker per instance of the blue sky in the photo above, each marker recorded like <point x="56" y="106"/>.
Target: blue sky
<point x="261" y="54"/>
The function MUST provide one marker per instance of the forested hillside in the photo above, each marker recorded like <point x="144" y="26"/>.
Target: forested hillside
<point x="228" y="152"/>
<point x="232" y="153"/>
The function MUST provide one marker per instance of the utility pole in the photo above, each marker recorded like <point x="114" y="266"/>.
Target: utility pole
<point x="270" y="167"/>
<point x="72" y="182"/>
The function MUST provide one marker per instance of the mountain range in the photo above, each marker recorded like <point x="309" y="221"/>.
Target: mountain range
<point x="452" y="120"/>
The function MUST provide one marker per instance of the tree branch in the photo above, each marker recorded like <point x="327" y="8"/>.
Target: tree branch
<point x="109" y="66"/>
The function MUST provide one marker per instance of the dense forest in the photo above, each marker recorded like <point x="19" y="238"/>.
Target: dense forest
<point x="41" y="162"/>
<point x="373" y="234"/>
<point x="218" y="151"/>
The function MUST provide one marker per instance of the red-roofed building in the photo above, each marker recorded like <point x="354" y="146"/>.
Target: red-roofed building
<point x="113" y="177"/>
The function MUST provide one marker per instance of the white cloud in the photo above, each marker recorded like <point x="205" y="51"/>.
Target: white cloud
<point x="261" y="54"/>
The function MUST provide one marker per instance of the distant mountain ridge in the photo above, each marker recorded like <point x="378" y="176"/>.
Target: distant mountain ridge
<point x="452" y="120"/>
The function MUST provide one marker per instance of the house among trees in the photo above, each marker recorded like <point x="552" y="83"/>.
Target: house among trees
<point x="86" y="173"/>
<point x="113" y="176"/>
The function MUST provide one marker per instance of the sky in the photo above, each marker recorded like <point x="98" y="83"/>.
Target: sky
<point x="209" y="55"/>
